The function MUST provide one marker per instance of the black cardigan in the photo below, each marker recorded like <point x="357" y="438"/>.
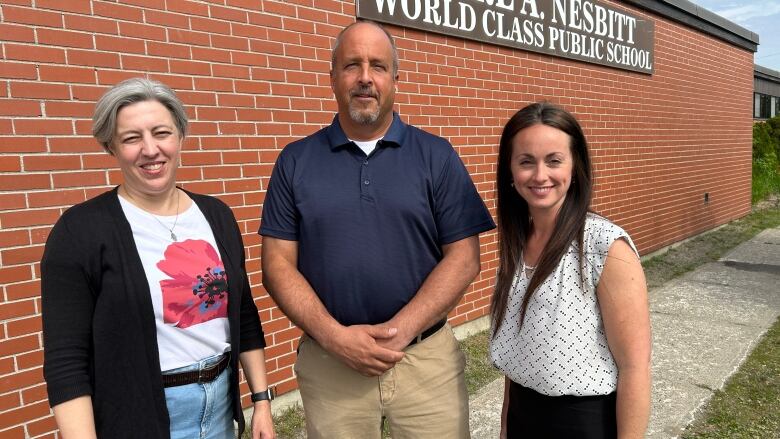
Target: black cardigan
<point x="98" y="322"/>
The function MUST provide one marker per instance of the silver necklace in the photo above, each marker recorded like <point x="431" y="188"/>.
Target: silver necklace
<point x="528" y="270"/>
<point x="170" y="229"/>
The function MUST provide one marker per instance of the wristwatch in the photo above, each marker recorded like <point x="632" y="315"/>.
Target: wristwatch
<point x="266" y="395"/>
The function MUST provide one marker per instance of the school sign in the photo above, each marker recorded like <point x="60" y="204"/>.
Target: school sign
<point x="584" y="30"/>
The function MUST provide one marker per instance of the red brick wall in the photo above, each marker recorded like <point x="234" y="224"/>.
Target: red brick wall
<point x="253" y="75"/>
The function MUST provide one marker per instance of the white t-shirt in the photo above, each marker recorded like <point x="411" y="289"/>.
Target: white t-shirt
<point x="187" y="282"/>
<point x="367" y="146"/>
<point x="561" y="348"/>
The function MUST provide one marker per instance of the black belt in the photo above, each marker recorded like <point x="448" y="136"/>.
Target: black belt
<point x="428" y="332"/>
<point x="204" y="375"/>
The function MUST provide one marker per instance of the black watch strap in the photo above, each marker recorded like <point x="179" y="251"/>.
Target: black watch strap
<point x="266" y="395"/>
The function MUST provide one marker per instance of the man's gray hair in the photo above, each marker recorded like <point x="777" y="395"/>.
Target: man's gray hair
<point x="129" y="92"/>
<point x="337" y="43"/>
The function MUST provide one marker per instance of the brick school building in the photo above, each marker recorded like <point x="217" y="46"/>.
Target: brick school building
<point x="663" y="89"/>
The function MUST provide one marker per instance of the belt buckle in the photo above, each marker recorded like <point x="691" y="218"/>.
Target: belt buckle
<point x="207" y="369"/>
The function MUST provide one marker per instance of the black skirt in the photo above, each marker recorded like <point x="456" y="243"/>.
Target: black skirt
<point x="534" y="415"/>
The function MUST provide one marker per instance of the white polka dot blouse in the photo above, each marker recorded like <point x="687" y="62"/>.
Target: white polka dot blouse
<point x="561" y="349"/>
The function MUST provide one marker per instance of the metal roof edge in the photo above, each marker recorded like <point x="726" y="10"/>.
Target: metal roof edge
<point x="701" y="19"/>
<point x="765" y="73"/>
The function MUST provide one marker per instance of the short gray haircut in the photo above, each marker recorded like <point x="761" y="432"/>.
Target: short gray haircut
<point x="130" y="92"/>
<point x="340" y="36"/>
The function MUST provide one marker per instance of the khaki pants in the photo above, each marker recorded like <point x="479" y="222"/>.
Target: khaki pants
<point x="423" y="396"/>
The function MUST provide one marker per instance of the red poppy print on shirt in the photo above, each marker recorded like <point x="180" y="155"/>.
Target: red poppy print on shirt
<point x="197" y="289"/>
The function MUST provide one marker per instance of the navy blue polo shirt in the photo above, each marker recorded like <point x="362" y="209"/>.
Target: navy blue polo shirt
<point x="370" y="228"/>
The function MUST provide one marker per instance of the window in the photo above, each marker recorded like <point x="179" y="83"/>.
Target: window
<point x="766" y="103"/>
<point x="764" y="106"/>
<point x="756" y="105"/>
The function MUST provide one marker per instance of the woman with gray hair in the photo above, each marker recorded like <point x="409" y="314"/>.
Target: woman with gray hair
<point x="147" y="308"/>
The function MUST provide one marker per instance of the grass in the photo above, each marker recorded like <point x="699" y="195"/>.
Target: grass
<point x="766" y="181"/>
<point x="709" y="246"/>
<point x="749" y="404"/>
<point x="290" y="424"/>
<point x="750" y="407"/>
<point x="479" y="369"/>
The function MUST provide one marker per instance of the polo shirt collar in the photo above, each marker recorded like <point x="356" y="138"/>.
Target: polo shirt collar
<point x="338" y="139"/>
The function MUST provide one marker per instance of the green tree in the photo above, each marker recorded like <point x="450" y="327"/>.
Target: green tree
<point x="766" y="151"/>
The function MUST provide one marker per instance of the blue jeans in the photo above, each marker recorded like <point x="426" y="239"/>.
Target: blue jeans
<point x="201" y="410"/>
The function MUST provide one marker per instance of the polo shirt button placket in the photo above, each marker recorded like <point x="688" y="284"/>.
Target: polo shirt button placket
<point x="365" y="179"/>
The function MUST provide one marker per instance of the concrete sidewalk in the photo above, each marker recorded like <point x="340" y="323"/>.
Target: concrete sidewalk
<point x="704" y="325"/>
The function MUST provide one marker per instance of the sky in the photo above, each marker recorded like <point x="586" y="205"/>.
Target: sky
<point x="759" y="16"/>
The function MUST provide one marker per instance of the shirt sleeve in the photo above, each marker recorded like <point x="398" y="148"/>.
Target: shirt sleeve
<point x="280" y="216"/>
<point x="68" y="305"/>
<point x="251" y="331"/>
<point x="600" y="234"/>
<point x="459" y="210"/>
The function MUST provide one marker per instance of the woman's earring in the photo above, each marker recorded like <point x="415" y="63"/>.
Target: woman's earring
<point x="512" y="184"/>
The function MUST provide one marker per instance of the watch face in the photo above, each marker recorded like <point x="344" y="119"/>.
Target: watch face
<point x="266" y="395"/>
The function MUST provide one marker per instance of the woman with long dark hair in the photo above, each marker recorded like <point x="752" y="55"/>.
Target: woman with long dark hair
<point x="571" y="326"/>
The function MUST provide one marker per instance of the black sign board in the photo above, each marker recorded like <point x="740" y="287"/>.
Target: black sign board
<point x="585" y="30"/>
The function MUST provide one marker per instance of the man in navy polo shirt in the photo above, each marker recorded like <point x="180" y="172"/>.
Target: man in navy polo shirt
<point x="370" y="232"/>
